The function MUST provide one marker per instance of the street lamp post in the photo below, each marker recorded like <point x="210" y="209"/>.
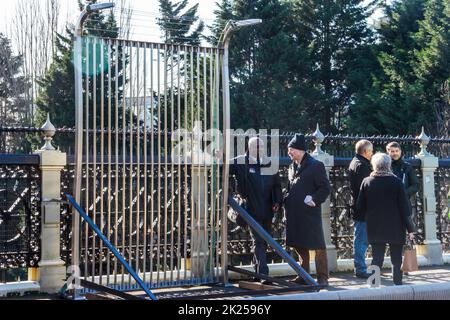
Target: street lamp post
<point x="78" y="47"/>
<point x="224" y="42"/>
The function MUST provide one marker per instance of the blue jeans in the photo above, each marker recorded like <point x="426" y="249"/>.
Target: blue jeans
<point x="360" y="247"/>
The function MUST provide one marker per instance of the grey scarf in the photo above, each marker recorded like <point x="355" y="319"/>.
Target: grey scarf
<point x="382" y="174"/>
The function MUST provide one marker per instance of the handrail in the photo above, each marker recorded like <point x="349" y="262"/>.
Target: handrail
<point x="111" y="247"/>
<point x="271" y="242"/>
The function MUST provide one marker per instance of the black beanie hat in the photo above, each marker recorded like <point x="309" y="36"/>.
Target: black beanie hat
<point x="298" y="142"/>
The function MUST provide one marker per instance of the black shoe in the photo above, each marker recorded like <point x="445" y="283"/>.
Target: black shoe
<point x="299" y="280"/>
<point x="266" y="282"/>
<point x="362" y="275"/>
<point x="323" y="282"/>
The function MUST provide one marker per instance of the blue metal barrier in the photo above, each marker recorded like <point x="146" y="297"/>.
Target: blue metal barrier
<point x="271" y="242"/>
<point x="111" y="247"/>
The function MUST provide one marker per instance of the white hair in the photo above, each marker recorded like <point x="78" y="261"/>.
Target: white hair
<point x="255" y="141"/>
<point x="381" y="163"/>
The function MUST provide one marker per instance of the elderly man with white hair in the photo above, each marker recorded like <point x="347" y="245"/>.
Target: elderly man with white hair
<point x="383" y="203"/>
<point x="261" y="193"/>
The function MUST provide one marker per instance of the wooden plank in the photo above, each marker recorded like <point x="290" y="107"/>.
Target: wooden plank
<point x="99" y="296"/>
<point x="249" y="285"/>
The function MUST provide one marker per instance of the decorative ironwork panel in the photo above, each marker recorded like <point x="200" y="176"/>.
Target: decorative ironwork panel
<point x="442" y="185"/>
<point x="417" y="209"/>
<point x="341" y="213"/>
<point x="20" y="219"/>
<point x="67" y="180"/>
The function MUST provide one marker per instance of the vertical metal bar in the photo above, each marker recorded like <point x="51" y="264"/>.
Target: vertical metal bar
<point x="152" y="167"/>
<point x="86" y="229"/>
<point x="193" y="224"/>
<point x="78" y="52"/>
<point x="185" y="149"/>
<point x="116" y="120"/>
<point x="138" y="155"/>
<point x="213" y="167"/>
<point x="199" y="165"/>
<point x="130" y="187"/>
<point x="102" y="149"/>
<point x="205" y="165"/>
<point x="108" y="259"/>
<point x="94" y="152"/>
<point x="217" y="96"/>
<point x="172" y="169"/>
<point x="226" y="168"/>
<point x="124" y="153"/>
<point x="145" y="164"/>
<point x="165" y="161"/>
<point x="179" y="165"/>
<point x="159" y="166"/>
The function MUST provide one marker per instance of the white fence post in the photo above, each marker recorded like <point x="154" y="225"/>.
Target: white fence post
<point x="52" y="270"/>
<point x="432" y="247"/>
<point x="328" y="161"/>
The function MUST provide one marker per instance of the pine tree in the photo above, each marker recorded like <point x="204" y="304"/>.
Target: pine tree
<point x="392" y="104"/>
<point x="432" y="64"/>
<point x="223" y="13"/>
<point x="57" y="97"/>
<point x="178" y="23"/>
<point x="339" y="38"/>
<point x="13" y="103"/>
<point x="269" y="67"/>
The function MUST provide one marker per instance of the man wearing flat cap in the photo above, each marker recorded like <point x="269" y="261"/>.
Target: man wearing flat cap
<point x="308" y="188"/>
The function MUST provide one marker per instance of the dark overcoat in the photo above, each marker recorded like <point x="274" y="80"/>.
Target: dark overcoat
<point x="260" y="192"/>
<point x="359" y="169"/>
<point x="383" y="203"/>
<point x="405" y="172"/>
<point x="304" y="223"/>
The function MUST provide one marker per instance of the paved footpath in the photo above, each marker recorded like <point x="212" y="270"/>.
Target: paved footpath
<point x="338" y="282"/>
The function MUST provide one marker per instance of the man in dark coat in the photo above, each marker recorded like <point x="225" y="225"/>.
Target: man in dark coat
<point x="261" y="193"/>
<point x="402" y="169"/>
<point x="360" y="169"/>
<point x="382" y="202"/>
<point x="308" y="188"/>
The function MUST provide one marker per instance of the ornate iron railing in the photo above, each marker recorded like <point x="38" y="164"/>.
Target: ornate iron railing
<point x="442" y="188"/>
<point x="340" y="146"/>
<point x="239" y="240"/>
<point x="20" y="207"/>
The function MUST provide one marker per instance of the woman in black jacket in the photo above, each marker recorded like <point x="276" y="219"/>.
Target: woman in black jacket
<point x="383" y="204"/>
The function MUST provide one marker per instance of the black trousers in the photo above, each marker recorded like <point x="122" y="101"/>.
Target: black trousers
<point x="378" y="250"/>
<point x="260" y="247"/>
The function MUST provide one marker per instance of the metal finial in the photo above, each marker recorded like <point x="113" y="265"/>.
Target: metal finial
<point x="318" y="139"/>
<point x="424" y="141"/>
<point x="49" y="131"/>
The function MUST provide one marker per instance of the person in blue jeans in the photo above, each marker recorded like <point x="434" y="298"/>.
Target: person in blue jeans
<point x="359" y="169"/>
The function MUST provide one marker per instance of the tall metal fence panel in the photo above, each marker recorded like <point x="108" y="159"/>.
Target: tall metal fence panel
<point x="143" y="178"/>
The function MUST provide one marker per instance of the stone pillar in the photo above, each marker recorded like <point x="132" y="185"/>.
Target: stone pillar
<point x="328" y="161"/>
<point x="200" y="234"/>
<point x="199" y="227"/>
<point x="432" y="247"/>
<point x="52" y="271"/>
